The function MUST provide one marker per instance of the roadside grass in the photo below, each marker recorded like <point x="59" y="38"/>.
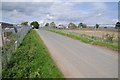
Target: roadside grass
<point x="88" y="39"/>
<point x="0" y="64"/>
<point x="32" y="60"/>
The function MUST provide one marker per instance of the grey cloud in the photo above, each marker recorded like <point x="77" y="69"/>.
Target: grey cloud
<point x="26" y="7"/>
<point x="61" y="12"/>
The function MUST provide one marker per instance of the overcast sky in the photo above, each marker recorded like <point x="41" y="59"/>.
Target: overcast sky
<point x="60" y="12"/>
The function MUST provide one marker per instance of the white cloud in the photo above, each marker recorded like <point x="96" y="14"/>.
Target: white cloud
<point x="99" y="14"/>
<point x="115" y="20"/>
<point x="99" y="5"/>
<point x="60" y="12"/>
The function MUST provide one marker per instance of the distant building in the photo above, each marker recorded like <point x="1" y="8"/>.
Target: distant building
<point x="60" y="26"/>
<point x="6" y="25"/>
<point x="7" y="29"/>
<point x="102" y="26"/>
<point x="91" y="25"/>
<point x="107" y="25"/>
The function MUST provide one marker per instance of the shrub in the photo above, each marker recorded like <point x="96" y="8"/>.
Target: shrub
<point x="72" y="26"/>
<point x="109" y="37"/>
<point x="35" y="24"/>
<point x="97" y="26"/>
<point x="117" y="26"/>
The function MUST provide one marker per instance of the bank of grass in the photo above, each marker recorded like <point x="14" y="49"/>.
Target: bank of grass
<point x="87" y="39"/>
<point x="32" y="60"/>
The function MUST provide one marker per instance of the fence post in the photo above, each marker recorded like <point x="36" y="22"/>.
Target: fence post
<point x="4" y="50"/>
<point x="1" y="51"/>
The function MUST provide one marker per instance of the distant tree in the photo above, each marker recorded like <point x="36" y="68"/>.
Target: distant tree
<point x="117" y="26"/>
<point x="52" y="24"/>
<point x="97" y="26"/>
<point x="82" y="25"/>
<point x="72" y="26"/>
<point x="105" y="27"/>
<point x="24" y="23"/>
<point x="47" y="24"/>
<point x="35" y="24"/>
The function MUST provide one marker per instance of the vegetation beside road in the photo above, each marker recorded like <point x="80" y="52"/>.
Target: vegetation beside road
<point x="88" y="39"/>
<point x="32" y="60"/>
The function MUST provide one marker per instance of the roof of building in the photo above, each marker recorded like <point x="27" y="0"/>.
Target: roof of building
<point x="6" y="25"/>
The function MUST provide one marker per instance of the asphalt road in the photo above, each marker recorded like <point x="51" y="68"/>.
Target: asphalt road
<point x="79" y="60"/>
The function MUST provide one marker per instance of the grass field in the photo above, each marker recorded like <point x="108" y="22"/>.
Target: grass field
<point x="89" y="39"/>
<point x="97" y="33"/>
<point x="32" y="60"/>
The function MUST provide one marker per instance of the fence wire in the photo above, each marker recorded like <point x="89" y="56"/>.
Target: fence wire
<point x="11" y="39"/>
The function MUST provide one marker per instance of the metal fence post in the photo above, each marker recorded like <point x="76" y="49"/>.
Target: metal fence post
<point x="1" y="52"/>
<point x="4" y="50"/>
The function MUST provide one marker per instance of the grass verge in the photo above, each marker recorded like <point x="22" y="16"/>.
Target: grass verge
<point x="88" y="40"/>
<point x="32" y="60"/>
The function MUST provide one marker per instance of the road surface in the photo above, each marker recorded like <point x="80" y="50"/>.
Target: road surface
<point x="80" y="60"/>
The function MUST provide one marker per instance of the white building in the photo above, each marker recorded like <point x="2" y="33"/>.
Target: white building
<point x="107" y="25"/>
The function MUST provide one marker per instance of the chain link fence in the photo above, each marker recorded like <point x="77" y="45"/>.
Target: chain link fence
<point x="11" y="38"/>
<point x="0" y="53"/>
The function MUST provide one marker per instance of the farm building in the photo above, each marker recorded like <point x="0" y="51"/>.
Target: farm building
<point x="107" y="25"/>
<point x="60" y="26"/>
<point x="6" y="25"/>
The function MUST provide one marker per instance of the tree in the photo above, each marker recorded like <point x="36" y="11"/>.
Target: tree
<point x="35" y="24"/>
<point x="52" y="24"/>
<point x="72" y="26"/>
<point x="97" y="26"/>
<point x="117" y="26"/>
<point x="105" y="27"/>
<point x="82" y="25"/>
<point x="47" y="24"/>
<point x="24" y="23"/>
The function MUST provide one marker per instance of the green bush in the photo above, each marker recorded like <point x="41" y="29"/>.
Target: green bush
<point x="109" y="37"/>
<point x="35" y="24"/>
<point x="72" y="26"/>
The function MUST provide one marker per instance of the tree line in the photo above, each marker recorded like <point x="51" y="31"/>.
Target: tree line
<point x="34" y="24"/>
<point x="71" y="25"/>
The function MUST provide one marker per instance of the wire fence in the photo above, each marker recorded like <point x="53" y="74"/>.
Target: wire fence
<point x="11" y="39"/>
<point x="0" y="53"/>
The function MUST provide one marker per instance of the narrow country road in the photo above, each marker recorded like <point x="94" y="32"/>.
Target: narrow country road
<point x="79" y="60"/>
